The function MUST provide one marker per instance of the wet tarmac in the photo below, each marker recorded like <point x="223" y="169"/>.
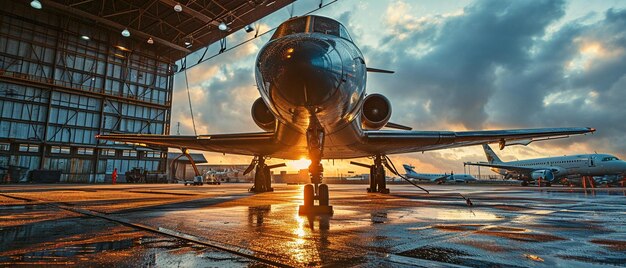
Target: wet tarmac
<point x="225" y="226"/>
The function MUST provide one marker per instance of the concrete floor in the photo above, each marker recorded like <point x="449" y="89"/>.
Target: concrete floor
<point x="225" y="226"/>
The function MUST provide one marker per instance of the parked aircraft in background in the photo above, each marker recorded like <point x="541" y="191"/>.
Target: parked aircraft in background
<point x="438" y="178"/>
<point x="553" y="169"/>
<point x="311" y="78"/>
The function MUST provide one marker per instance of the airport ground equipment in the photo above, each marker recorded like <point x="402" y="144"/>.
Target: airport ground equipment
<point x="136" y="175"/>
<point x="197" y="178"/>
<point x="197" y="181"/>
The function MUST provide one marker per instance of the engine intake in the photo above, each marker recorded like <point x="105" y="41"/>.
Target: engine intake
<point x="545" y="174"/>
<point x="376" y="111"/>
<point x="262" y="115"/>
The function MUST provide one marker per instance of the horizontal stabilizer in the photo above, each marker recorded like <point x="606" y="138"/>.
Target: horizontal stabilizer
<point x="374" y="70"/>
<point x="397" y="126"/>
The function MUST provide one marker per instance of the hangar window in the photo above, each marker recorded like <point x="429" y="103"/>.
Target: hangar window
<point x="60" y="150"/>
<point x="107" y="152"/>
<point x="32" y="148"/>
<point x="153" y="154"/>
<point x="129" y="153"/>
<point x="84" y="151"/>
<point x="4" y="146"/>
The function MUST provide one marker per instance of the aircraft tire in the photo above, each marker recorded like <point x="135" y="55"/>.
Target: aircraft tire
<point x="323" y="195"/>
<point x="308" y="195"/>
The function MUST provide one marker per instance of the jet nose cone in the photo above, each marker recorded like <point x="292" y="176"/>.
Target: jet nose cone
<point x="303" y="71"/>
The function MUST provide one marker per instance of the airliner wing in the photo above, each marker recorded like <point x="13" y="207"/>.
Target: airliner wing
<point x="395" y="142"/>
<point x="373" y="142"/>
<point x="261" y="143"/>
<point x="507" y="167"/>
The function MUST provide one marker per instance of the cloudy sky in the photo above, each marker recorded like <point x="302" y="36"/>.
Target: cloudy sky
<point x="460" y="65"/>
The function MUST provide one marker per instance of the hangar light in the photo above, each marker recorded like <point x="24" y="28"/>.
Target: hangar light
<point x="150" y="41"/>
<point x="178" y="7"/>
<point x="222" y="26"/>
<point x="35" y="4"/>
<point x="84" y="37"/>
<point x="125" y="33"/>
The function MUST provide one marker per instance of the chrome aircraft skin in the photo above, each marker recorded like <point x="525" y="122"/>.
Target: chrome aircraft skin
<point x="557" y="168"/>
<point x="439" y="178"/>
<point x="312" y="79"/>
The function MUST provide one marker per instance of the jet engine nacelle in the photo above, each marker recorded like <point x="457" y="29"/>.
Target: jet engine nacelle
<point x="545" y="174"/>
<point x="262" y="115"/>
<point x="376" y="111"/>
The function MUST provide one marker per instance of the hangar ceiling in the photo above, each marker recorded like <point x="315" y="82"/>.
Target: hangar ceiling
<point x="193" y="25"/>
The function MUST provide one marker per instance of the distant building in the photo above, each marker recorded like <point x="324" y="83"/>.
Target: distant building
<point x="283" y="177"/>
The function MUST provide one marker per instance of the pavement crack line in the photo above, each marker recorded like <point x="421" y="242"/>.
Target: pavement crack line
<point x="160" y="231"/>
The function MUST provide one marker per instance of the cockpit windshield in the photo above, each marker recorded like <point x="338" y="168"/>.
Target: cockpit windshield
<point x="315" y="24"/>
<point x="291" y="27"/>
<point x="610" y="158"/>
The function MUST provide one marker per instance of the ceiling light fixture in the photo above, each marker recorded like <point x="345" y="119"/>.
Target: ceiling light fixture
<point x="150" y="41"/>
<point x="222" y="26"/>
<point x="248" y="28"/>
<point x="36" y="4"/>
<point x="125" y="33"/>
<point x="178" y="7"/>
<point x="84" y="37"/>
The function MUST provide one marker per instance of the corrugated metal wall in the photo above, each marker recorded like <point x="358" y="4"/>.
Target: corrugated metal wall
<point x="57" y="91"/>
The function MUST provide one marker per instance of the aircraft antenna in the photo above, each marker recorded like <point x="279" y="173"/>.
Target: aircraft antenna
<point x="190" y="106"/>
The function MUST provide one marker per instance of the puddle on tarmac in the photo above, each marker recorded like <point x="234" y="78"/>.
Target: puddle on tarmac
<point x="444" y="214"/>
<point x="95" y="242"/>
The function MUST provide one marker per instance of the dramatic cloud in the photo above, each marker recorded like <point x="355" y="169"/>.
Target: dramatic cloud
<point x="488" y="64"/>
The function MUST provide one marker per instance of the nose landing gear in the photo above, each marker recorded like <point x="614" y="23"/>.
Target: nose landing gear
<point x="317" y="190"/>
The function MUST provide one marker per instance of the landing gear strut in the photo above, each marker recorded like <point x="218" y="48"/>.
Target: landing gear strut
<point x="378" y="184"/>
<point x="317" y="190"/>
<point x="262" y="176"/>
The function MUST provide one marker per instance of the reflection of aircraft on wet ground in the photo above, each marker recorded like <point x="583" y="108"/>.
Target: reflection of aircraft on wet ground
<point x="311" y="77"/>
<point x="438" y="178"/>
<point x="553" y="169"/>
<point x="609" y="179"/>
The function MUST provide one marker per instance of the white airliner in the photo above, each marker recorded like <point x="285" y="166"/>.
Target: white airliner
<point x="439" y="178"/>
<point x="554" y="169"/>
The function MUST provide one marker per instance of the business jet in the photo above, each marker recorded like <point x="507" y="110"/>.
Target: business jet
<point x="554" y="169"/>
<point x="438" y="178"/>
<point x="311" y="77"/>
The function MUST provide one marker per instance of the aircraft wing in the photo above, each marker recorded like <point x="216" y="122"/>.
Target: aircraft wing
<point x="507" y="167"/>
<point x="260" y="143"/>
<point x="441" y="179"/>
<point x="395" y="142"/>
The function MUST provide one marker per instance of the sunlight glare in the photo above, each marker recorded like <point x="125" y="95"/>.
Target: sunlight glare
<point x="303" y="163"/>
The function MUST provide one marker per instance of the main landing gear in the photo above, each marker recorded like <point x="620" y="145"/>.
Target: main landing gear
<point x="317" y="190"/>
<point x="262" y="175"/>
<point x="378" y="184"/>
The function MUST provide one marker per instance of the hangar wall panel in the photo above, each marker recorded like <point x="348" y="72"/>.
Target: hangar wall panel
<point x="57" y="91"/>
